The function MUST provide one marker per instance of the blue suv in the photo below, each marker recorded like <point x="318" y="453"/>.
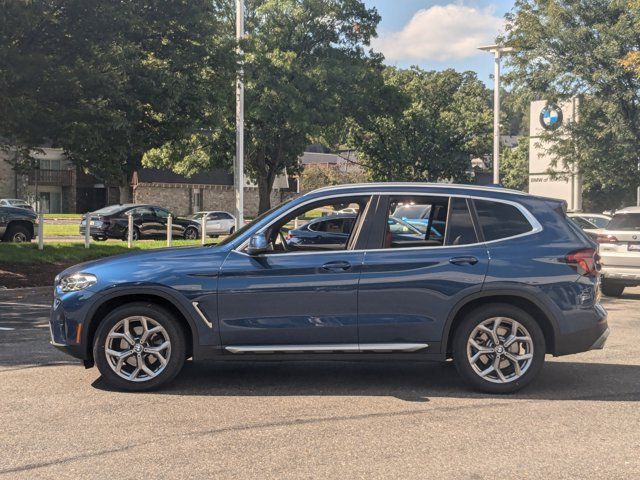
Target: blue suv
<point x="509" y="280"/>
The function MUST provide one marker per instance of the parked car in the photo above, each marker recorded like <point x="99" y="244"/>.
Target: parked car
<point x="589" y="228"/>
<point x="511" y="280"/>
<point x="598" y="219"/>
<point x="420" y="217"/>
<point x="217" y="222"/>
<point x="619" y="248"/>
<point x="590" y="221"/>
<point x="149" y="221"/>
<point x="17" y="224"/>
<point x="15" y="202"/>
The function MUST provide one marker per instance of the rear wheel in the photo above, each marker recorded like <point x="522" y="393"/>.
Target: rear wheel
<point x="231" y="230"/>
<point x="99" y="239"/>
<point x="498" y="348"/>
<point x="611" y="289"/>
<point x="135" y="236"/>
<point x="18" y="234"/>
<point x="139" y="346"/>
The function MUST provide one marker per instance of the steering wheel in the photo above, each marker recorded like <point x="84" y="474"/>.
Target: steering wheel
<point x="283" y="240"/>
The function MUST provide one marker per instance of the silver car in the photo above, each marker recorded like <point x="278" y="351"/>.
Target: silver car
<point x="217" y="222"/>
<point x="619" y="249"/>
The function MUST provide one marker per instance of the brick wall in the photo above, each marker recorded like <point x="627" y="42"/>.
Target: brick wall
<point x="177" y="197"/>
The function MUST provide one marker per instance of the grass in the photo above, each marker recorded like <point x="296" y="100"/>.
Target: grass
<point x="69" y="252"/>
<point x="61" y="216"/>
<point x="63" y="230"/>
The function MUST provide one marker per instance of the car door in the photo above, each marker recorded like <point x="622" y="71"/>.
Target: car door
<point x="162" y="218"/>
<point x="144" y="219"/>
<point x="407" y="290"/>
<point x="215" y="223"/>
<point x="300" y="301"/>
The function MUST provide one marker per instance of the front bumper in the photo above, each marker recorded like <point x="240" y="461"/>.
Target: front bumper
<point x="66" y="323"/>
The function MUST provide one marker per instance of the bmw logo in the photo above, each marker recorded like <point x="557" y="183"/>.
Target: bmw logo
<point x="551" y="117"/>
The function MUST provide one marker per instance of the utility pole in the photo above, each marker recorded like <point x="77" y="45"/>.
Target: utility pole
<point x="497" y="51"/>
<point x="238" y="168"/>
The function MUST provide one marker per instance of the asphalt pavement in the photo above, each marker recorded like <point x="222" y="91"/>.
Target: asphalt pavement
<point x="579" y="419"/>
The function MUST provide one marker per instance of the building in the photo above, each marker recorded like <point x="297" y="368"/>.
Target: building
<point x="212" y="190"/>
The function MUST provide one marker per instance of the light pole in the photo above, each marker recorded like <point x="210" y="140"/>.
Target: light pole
<point x="497" y="51"/>
<point x="238" y="167"/>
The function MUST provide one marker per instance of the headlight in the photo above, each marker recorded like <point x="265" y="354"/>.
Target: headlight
<point x="77" y="281"/>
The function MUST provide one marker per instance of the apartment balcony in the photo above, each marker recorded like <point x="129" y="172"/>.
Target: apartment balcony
<point x="60" y="178"/>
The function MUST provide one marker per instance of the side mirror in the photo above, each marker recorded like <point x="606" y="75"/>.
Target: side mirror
<point x="258" y="244"/>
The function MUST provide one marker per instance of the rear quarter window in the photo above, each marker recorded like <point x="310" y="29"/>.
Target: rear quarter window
<point x="500" y="220"/>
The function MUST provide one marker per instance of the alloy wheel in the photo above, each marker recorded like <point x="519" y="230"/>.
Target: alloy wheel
<point x="500" y="350"/>
<point x="138" y="348"/>
<point x="19" y="237"/>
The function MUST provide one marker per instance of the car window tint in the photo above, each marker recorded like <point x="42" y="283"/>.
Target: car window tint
<point x="625" y="221"/>
<point x="582" y="223"/>
<point x="416" y="221"/>
<point x="500" y="220"/>
<point x="162" y="213"/>
<point x="461" y="231"/>
<point x="215" y="216"/>
<point x="224" y="216"/>
<point x="141" y="211"/>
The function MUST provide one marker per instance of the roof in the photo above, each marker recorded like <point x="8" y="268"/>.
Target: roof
<point x="417" y="185"/>
<point x="215" y="176"/>
<point x="628" y="210"/>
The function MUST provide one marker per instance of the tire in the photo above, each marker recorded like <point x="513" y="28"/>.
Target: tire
<point x="506" y="378"/>
<point x="128" y="379"/>
<point x="136" y="234"/>
<point x="18" y="234"/>
<point x="190" y="234"/>
<point x="611" y="289"/>
<point x="231" y="230"/>
<point x="99" y="239"/>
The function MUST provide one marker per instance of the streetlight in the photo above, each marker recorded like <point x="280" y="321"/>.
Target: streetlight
<point x="497" y="51"/>
<point x="238" y="167"/>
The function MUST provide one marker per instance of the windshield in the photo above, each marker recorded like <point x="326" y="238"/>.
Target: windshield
<point x="599" y="222"/>
<point x="197" y="216"/>
<point x="240" y="232"/>
<point x="625" y="221"/>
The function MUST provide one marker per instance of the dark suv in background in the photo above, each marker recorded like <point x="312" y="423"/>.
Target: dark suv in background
<point x="17" y="224"/>
<point x="149" y="221"/>
<point x="510" y="280"/>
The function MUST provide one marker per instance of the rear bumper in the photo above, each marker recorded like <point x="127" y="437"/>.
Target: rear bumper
<point x="591" y="334"/>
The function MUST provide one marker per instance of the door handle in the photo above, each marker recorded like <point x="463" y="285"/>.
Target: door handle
<point x="463" y="260"/>
<point x="336" y="266"/>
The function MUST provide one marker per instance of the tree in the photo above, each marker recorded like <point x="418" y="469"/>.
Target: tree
<point x="587" y="49"/>
<point x="317" y="176"/>
<point x="514" y="165"/>
<point x="443" y="121"/>
<point x="108" y="80"/>
<point x="305" y="71"/>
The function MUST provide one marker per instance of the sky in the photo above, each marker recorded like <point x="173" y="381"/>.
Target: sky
<point x="439" y="34"/>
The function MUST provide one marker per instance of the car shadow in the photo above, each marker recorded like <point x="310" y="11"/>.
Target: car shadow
<point x="412" y="382"/>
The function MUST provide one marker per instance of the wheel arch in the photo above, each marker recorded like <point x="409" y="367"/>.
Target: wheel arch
<point x="21" y="223"/>
<point x="521" y="299"/>
<point x="119" y="298"/>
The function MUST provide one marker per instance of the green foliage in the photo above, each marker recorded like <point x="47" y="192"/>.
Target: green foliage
<point x="586" y="49"/>
<point x="430" y="134"/>
<point x="317" y="176"/>
<point x="108" y="80"/>
<point x="514" y="165"/>
<point x="305" y="72"/>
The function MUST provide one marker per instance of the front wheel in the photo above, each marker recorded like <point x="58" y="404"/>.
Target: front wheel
<point x="499" y="348"/>
<point x="190" y="234"/>
<point x="139" y="346"/>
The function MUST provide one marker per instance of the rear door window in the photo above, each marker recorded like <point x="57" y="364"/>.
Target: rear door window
<point x="500" y="220"/>
<point x="461" y="229"/>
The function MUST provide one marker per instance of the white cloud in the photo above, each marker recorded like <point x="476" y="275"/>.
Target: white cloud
<point x="441" y="32"/>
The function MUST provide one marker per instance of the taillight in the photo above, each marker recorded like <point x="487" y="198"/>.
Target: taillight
<point x="289" y="236"/>
<point x="604" y="238"/>
<point x="587" y="261"/>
